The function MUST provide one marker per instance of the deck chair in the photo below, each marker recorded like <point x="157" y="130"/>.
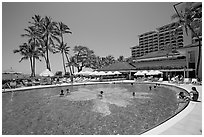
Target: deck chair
<point x="160" y="80"/>
<point x="186" y="81"/>
<point x="194" y="81"/>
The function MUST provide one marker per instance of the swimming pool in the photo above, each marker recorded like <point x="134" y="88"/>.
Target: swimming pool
<point x="43" y="111"/>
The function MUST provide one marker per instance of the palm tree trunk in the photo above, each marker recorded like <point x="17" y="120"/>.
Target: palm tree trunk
<point x="47" y="54"/>
<point x="199" y="56"/>
<point x="31" y="66"/>
<point x="63" y="62"/>
<point x="70" y="69"/>
<point x="199" y="51"/>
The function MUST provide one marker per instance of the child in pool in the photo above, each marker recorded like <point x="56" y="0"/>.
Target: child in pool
<point x="100" y="95"/>
<point x="61" y="94"/>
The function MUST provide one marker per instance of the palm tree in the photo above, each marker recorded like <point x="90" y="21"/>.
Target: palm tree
<point x="48" y="30"/>
<point x="62" y="47"/>
<point x="34" y="41"/>
<point x="71" y="64"/>
<point x="29" y="52"/>
<point x="191" y="19"/>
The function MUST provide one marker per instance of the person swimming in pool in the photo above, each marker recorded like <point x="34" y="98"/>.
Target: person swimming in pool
<point x="100" y="95"/>
<point x="61" y="94"/>
<point x="150" y="87"/>
<point x="133" y="93"/>
<point x="68" y="92"/>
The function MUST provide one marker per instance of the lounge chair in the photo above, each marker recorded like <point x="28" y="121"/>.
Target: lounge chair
<point x="13" y="84"/>
<point x="186" y="81"/>
<point x="160" y="80"/>
<point x="195" y="81"/>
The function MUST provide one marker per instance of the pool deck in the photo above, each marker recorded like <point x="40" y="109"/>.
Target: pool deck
<point x="187" y="122"/>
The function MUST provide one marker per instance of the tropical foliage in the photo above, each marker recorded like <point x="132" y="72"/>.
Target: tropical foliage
<point x="29" y="52"/>
<point x="62" y="47"/>
<point x="190" y="18"/>
<point x="45" y="35"/>
<point x="83" y="57"/>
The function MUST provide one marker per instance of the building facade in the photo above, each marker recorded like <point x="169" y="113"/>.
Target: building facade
<point x="167" y="37"/>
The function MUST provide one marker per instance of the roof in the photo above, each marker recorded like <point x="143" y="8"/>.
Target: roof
<point x="191" y="45"/>
<point x="160" y="53"/>
<point x="161" y="64"/>
<point x="118" y="66"/>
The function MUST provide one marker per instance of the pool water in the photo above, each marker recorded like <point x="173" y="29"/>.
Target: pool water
<point x="43" y="111"/>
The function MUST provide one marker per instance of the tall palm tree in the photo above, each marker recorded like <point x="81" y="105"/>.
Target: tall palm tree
<point x="28" y="52"/>
<point x="62" y="47"/>
<point x="34" y="41"/>
<point x="48" y="30"/>
<point x="191" y="19"/>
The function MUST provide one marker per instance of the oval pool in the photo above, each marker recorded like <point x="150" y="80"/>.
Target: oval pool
<point x="43" y="111"/>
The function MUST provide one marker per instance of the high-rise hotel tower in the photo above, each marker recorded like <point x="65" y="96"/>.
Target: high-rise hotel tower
<point x="168" y="36"/>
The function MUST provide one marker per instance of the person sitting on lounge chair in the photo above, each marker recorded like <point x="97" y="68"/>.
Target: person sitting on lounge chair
<point x="194" y="94"/>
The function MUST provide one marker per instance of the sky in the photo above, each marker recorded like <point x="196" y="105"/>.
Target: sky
<point x="106" y="28"/>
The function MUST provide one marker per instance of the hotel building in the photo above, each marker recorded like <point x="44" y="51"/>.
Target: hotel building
<point x="166" y="37"/>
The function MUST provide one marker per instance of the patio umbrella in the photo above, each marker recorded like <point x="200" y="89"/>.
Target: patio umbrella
<point x="158" y="72"/>
<point x="138" y="73"/>
<point x="144" y="72"/>
<point x="94" y="73"/>
<point x="117" y="72"/>
<point x="110" y="73"/>
<point x="101" y="73"/>
<point x="151" y="72"/>
<point x="46" y="73"/>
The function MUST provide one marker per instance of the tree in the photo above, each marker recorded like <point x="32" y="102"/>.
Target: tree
<point x="29" y="52"/>
<point x="120" y="58"/>
<point x="48" y="32"/>
<point x="109" y="60"/>
<point x="71" y="64"/>
<point x="62" y="47"/>
<point x="34" y="41"/>
<point x="191" y="18"/>
<point x="83" y="57"/>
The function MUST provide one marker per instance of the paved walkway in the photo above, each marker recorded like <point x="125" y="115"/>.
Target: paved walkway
<point x="187" y="122"/>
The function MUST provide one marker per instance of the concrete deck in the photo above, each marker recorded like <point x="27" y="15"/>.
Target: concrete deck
<point x="187" y="122"/>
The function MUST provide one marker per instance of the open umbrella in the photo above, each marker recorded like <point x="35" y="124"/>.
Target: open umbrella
<point x="46" y="73"/>
<point x="158" y="72"/>
<point x="101" y="73"/>
<point x="151" y="72"/>
<point x="110" y="73"/>
<point x="94" y="73"/>
<point x="138" y="73"/>
<point x="117" y="72"/>
<point x="144" y="72"/>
